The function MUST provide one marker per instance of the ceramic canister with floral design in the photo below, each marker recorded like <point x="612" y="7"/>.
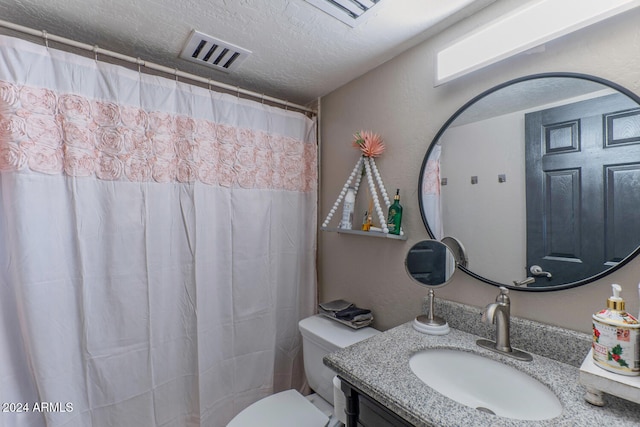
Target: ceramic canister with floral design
<point x="616" y="337"/>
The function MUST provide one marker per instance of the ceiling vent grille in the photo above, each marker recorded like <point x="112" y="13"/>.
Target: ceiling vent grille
<point x="348" y="11"/>
<point x="212" y="52"/>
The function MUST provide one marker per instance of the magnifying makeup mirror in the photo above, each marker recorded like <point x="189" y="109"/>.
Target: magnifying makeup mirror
<point x="431" y="264"/>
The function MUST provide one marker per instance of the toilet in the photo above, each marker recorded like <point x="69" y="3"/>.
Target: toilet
<point x="325" y="407"/>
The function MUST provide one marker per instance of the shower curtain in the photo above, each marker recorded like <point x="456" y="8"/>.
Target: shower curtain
<point x="157" y="245"/>
<point x="431" y="193"/>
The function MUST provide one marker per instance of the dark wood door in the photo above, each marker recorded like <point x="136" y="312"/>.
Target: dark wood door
<point x="583" y="187"/>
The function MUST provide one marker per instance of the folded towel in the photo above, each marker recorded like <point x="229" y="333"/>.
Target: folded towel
<point x="336" y="305"/>
<point x="352" y="312"/>
<point x="346" y="313"/>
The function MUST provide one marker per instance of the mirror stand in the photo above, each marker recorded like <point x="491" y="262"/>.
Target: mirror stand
<point x="431" y="264"/>
<point x="430" y="323"/>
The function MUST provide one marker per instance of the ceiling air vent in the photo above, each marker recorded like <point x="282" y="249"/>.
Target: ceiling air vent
<point x="348" y="11"/>
<point x="215" y="53"/>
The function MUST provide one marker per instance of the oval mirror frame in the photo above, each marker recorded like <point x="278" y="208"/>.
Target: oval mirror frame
<point x="464" y="108"/>
<point x="430" y="263"/>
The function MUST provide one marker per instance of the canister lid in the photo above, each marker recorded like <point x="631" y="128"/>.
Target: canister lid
<point x="617" y="318"/>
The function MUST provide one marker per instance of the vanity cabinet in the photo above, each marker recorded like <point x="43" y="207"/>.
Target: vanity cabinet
<point x="382" y="390"/>
<point x="363" y="411"/>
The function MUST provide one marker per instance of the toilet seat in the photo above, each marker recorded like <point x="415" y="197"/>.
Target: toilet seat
<point x="285" y="409"/>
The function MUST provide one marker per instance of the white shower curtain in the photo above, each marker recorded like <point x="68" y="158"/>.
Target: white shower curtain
<point x="157" y="245"/>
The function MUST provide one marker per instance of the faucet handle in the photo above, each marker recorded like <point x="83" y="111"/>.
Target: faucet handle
<point x="503" y="298"/>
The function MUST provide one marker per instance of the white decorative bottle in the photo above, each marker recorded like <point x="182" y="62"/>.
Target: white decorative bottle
<point x="347" y="209"/>
<point x="616" y="337"/>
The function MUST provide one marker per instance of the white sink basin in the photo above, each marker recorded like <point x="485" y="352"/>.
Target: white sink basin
<point x="485" y="384"/>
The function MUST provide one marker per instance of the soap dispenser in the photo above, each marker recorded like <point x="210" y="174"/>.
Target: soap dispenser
<point x="616" y="337"/>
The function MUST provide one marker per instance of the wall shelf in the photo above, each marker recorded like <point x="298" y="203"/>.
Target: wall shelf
<point x="365" y="233"/>
<point x="598" y="381"/>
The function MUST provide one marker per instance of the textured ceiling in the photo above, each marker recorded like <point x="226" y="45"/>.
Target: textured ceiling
<point x="299" y="52"/>
<point x="529" y="94"/>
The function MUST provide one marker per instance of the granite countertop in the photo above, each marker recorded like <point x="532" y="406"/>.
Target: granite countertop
<point x="379" y="366"/>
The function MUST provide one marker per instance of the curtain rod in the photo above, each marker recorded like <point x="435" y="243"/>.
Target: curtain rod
<point x="153" y="66"/>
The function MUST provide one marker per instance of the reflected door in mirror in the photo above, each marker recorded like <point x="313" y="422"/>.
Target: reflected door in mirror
<point x="582" y="180"/>
<point x="430" y="263"/>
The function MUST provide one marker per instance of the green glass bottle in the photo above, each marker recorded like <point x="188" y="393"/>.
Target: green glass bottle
<point x="394" y="219"/>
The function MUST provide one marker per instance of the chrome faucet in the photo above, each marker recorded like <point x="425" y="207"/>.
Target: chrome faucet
<point x="499" y="313"/>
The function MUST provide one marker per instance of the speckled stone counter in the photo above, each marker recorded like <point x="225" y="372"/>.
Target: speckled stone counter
<point x="379" y="367"/>
<point x="556" y="343"/>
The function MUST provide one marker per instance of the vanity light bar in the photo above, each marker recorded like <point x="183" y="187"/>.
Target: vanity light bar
<point x="532" y="25"/>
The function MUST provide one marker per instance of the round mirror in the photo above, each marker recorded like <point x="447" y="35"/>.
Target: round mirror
<point x="430" y="263"/>
<point x="538" y="179"/>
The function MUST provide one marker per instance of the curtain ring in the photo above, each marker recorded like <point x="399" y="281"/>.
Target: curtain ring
<point x="263" y="99"/>
<point x="45" y="36"/>
<point x="209" y="84"/>
<point x="175" y="73"/>
<point x="140" y="63"/>
<point x="95" y="52"/>
<point x="238" y="92"/>
<point x="286" y="105"/>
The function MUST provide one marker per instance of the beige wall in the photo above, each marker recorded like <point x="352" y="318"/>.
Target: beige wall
<point x="499" y="213"/>
<point x="398" y="101"/>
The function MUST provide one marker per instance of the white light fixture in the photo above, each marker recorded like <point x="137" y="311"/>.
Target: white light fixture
<point x="348" y="11"/>
<point x="532" y="25"/>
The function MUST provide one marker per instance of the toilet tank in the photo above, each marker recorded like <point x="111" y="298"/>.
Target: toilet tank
<point x="321" y="336"/>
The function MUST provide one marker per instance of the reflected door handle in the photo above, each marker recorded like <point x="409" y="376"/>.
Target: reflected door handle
<point x="536" y="270"/>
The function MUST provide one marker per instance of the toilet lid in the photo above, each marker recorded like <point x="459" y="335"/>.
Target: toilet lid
<point x="285" y="409"/>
